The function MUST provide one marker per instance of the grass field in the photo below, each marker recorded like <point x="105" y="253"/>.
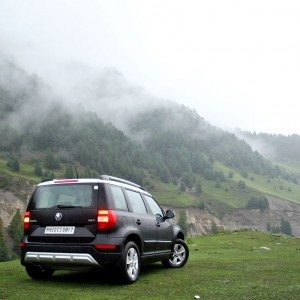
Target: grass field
<point x="169" y="194"/>
<point x="223" y="266"/>
<point x="272" y="186"/>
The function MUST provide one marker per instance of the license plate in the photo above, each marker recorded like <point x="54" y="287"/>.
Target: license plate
<point x="60" y="230"/>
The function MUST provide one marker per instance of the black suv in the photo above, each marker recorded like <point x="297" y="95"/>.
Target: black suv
<point x="88" y="223"/>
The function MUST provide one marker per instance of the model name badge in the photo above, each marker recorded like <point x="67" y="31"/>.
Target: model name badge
<point x="91" y="220"/>
<point x="60" y="230"/>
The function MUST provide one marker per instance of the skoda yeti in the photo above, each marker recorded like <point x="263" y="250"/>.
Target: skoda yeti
<point x="92" y="223"/>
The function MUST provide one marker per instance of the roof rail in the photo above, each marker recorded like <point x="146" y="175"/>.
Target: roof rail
<point x="108" y="177"/>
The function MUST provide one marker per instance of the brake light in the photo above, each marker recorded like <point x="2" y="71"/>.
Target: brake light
<point x="106" y="219"/>
<point x="65" y="180"/>
<point x="26" y="223"/>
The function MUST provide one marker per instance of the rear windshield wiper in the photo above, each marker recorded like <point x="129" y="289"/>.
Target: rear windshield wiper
<point x="67" y="206"/>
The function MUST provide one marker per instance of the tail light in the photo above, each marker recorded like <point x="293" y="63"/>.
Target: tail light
<point x="106" y="219"/>
<point x="105" y="246"/>
<point x="26" y="223"/>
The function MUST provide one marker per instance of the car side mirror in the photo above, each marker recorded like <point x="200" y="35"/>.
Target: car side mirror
<point x="169" y="214"/>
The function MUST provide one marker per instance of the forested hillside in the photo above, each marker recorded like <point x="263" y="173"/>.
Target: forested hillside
<point x="168" y="142"/>
<point x="187" y="143"/>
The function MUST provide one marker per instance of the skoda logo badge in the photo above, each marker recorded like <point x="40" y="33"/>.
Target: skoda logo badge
<point x="58" y="216"/>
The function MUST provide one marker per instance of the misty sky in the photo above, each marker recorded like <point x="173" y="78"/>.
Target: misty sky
<point x="236" y="62"/>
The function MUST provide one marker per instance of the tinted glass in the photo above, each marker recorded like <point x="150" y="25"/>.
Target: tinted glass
<point x="48" y="196"/>
<point x="136" y="202"/>
<point x="119" y="198"/>
<point x="154" y="207"/>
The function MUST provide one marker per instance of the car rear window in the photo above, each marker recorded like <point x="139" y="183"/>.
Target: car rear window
<point x="78" y="195"/>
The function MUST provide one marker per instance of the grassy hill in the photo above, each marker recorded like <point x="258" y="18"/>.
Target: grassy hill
<point x="222" y="266"/>
<point x="273" y="186"/>
<point x="229" y="193"/>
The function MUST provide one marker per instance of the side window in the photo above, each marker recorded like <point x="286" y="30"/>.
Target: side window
<point x="136" y="202"/>
<point x="119" y="198"/>
<point x="154" y="207"/>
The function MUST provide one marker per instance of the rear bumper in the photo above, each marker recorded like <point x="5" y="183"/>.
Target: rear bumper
<point x="61" y="256"/>
<point x="50" y="258"/>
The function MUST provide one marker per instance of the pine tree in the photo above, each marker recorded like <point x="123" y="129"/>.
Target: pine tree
<point x="182" y="222"/>
<point x="38" y="170"/>
<point x="51" y="161"/>
<point x="15" y="231"/>
<point x="69" y="172"/>
<point x="286" y="227"/>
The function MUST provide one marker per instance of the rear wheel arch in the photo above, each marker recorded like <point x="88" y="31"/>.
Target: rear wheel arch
<point x="133" y="237"/>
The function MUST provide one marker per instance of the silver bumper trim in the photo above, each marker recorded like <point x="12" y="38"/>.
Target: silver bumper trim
<point x="76" y="259"/>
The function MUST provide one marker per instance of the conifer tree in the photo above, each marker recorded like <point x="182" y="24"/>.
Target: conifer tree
<point x="15" y="231"/>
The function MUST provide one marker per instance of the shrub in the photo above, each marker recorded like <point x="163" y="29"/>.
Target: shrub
<point x="3" y="249"/>
<point x="4" y="181"/>
<point x="13" y="164"/>
<point x="201" y="204"/>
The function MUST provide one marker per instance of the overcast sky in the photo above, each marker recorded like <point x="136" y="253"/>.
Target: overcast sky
<point x="236" y="62"/>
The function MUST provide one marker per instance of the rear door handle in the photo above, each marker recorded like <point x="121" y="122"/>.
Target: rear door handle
<point x="138" y="221"/>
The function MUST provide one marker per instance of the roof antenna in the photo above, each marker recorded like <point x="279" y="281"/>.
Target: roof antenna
<point x="75" y="171"/>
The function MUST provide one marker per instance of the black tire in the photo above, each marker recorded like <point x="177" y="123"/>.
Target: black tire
<point x="130" y="265"/>
<point x="38" y="272"/>
<point x="179" y="257"/>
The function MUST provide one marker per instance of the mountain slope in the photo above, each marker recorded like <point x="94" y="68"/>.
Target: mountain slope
<point x="185" y="141"/>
